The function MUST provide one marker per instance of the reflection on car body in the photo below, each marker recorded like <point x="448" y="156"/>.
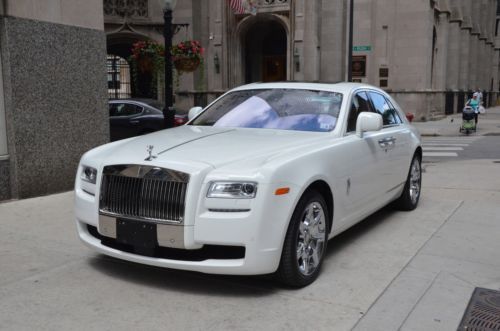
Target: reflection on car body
<point x="134" y="117"/>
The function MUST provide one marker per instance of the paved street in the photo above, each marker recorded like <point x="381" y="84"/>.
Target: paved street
<point x="395" y="270"/>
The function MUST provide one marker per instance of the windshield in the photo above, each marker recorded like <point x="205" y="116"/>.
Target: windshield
<point x="284" y="109"/>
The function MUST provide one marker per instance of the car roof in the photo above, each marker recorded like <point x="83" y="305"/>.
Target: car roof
<point x="144" y="102"/>
<point x="340" y="87"/>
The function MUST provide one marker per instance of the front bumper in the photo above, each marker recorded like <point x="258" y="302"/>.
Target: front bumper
<point x="258" y="233"/>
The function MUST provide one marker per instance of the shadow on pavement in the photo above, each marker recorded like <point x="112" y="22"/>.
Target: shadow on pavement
<point x="358" y="231"/>
<point x="221" y="285"/>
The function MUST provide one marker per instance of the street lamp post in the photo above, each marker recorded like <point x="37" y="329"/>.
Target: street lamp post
<point x="168" y="111"/>
<point x="350" y="42"/>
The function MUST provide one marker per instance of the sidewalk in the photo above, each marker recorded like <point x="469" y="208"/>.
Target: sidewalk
<point x="394" y="271"/>
<point x="489" y="124"/>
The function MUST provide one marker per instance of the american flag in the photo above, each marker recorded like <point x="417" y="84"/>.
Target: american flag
<point x="237" y="6"/>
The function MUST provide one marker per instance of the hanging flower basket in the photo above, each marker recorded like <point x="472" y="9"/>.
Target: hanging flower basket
<point x="186" y="64"/>
<point x="187" y="55"/>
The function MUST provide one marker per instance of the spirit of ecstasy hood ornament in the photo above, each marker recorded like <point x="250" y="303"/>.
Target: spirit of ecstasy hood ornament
<point x="151" y="157"/>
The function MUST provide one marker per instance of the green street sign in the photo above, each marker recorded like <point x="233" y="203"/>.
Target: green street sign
<point x="361" y="48"/>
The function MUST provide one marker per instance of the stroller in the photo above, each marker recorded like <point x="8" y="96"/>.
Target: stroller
<point x="468" y="123"/>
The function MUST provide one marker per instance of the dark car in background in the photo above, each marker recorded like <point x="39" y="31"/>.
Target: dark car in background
<point x="134" y="117"/>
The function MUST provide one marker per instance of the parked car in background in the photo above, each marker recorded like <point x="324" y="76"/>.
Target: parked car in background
<point x="134" y="117"/>
<point x="255" y="183"/>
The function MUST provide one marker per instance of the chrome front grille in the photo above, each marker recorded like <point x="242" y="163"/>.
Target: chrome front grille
<point x="143" y="193"/>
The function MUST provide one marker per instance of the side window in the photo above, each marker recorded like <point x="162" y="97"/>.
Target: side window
<point x="130" y="109"/>
<point x="359" y="104"/>
<point x="395" y="113"/>
<point x="385" y="108"/>
<point x="115" y="109"/>
<point x="124" y="109"/>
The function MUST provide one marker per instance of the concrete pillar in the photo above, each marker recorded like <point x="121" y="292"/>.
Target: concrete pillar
<point x="496" y="69"/>
<point x="333" y="40"/>
<point x="214" y="49"/>
<point x="465" y="46"/>
<point x="311" y="41"/>
<point x="440" y="62"/>
<point x="454" y="55"/>
<point x="298" y="39"/>
<point x="3" y="128"/>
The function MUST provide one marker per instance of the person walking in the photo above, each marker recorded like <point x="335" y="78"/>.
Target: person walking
<point x="474" y="103"/>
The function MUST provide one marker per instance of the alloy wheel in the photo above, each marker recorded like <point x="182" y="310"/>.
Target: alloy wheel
<point x="415" y="180"/>
<point x="311" y="238"/>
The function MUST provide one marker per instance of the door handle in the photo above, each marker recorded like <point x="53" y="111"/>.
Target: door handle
<point x="133" y="122"/>
<point x="387" y="142"/>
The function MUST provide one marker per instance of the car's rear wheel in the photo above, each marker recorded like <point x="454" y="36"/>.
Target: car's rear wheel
<point x="411" y="192"/>
<point x="305" y="241"/>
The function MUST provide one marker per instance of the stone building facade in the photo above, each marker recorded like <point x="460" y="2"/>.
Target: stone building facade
<point x="430" y="54"/>
<point x="300" y="40"/>
<point x="52" y="92"/>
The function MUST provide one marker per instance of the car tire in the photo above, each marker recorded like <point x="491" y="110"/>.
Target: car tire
<point x="411" y="192"/>
<point x="307" y="233"/>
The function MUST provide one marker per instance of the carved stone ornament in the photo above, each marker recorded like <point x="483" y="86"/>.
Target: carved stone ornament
<point x="126" y="8"/>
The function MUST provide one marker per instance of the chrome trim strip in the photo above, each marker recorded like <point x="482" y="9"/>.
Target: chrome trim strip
<point x="228" y="210"/>
<point x="107" y="226"/>
<point x="168" y="235"/>
<point x="89" y="193"/>
<point x="135" y="218"/>
<point x="146" y="171"/>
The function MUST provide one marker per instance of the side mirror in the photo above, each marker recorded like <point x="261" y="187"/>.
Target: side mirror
<point x="368" y="122"/>
<point x="193" y="112"/>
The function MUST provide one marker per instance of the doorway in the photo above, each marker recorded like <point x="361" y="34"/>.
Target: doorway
<point x="265" y="52"/>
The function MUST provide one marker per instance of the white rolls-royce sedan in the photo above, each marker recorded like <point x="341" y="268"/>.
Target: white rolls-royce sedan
<point x="255" y="183"/>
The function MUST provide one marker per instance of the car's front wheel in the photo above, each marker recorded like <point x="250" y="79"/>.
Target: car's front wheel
<point x="411" y="192"/>
<point x="305" y="241"/>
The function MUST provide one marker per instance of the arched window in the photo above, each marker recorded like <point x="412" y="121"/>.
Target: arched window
<point x="118" y="78"/>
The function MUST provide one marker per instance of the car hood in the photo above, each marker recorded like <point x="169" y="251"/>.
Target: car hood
<point x="209" y="145"/>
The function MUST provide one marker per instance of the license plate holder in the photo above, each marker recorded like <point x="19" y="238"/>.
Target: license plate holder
<point x="142" y="236"/>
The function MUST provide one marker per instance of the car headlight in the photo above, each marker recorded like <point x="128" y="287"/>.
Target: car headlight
<point x="89" y="174"/>
<point x="232" y="190"/>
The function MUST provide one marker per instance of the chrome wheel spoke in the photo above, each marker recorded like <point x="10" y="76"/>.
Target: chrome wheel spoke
<point x="305" y="266"/>
<point x="315" y="257"/>
<point x="311" y="238"/>
<point x="300" y="250"/>
<point x="302" y="229"/>
<point x="309" y="216"/>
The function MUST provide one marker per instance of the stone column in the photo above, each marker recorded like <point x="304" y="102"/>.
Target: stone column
<point x="465" y="46"/>
<point x="298" y="39"/>
<point x="440" y="65"/>
<point x="473" y="60"/>
<point x="214" y="49"/>
<point x="311" y="45"/>
<point x="333" y="40"/>
<point x="454" y="56"/>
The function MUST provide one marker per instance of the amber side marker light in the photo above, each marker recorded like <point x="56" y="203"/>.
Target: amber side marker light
<point x="282" y="191"/>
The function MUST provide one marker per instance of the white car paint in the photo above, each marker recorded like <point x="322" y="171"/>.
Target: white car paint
<point x="361" y="175"/>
